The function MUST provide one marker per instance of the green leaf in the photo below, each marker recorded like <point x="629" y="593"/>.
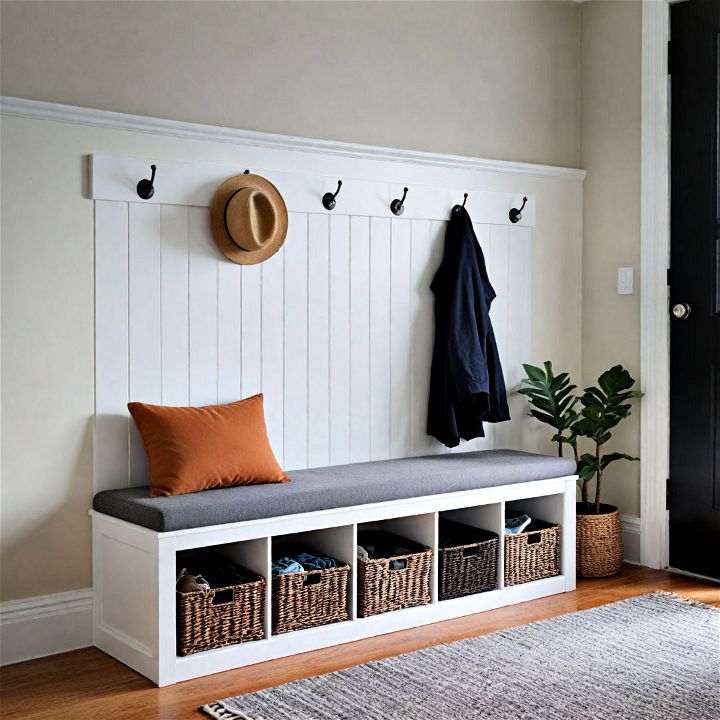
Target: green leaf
<point x="612" y="457"/>
<point x="534" y="373"/>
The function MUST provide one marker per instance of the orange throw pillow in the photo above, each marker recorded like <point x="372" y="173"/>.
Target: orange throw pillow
<point x="198" y="448"/>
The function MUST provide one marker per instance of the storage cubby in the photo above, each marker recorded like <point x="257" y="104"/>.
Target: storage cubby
<point x="312" y="598"/>
<point x="535" y="553"/>
<point x="236" y="608"/>
<point x="470" y="551"/>
<point x="403" y="577"/>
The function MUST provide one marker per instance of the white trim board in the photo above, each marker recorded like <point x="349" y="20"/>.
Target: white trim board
<point x="38" y="110"/>
<point x="654" y="261"/>
<point x="45" y="625"/>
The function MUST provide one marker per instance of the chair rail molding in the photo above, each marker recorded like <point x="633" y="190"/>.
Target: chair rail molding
<point x="654" y="261"/>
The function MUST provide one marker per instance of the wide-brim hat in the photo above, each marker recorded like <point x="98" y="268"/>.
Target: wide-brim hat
<point x="249" y="219"/>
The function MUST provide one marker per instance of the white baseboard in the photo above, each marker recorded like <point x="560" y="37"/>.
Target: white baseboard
<point x="45" y="625"/>
<point x="631" y="538"/>
<point x="52" y="624"/>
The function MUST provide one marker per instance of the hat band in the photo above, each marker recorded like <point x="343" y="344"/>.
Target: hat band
<point x="225" y="213"/>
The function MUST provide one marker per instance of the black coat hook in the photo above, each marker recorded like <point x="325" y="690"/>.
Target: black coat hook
<point x="457" y="207"/>
<point x="397" y="206"/>
<point x="146" y="188"/>
<point x="328" y="200"/>
<point x="515" y="214"/>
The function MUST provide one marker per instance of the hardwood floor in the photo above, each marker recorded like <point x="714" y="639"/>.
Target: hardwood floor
<point x="87" y="684"/>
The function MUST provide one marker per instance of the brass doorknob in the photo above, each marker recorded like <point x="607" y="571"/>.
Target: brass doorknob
<point x="681" y="311"/>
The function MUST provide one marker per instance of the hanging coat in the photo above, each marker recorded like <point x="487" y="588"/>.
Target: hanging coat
<point x="466" y="381"/>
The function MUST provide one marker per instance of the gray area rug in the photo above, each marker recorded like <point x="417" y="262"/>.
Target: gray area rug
<point x="651" y="657"/>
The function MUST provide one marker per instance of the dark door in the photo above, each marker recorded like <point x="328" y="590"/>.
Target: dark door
<point x="695" y="288"/>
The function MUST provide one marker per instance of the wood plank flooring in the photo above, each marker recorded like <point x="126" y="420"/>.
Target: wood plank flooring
<point x="89" y="685"/>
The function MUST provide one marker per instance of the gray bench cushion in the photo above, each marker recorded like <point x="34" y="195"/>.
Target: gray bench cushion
<point x="332" y="487"/>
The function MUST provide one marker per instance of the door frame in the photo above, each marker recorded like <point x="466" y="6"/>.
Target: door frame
<point x="654" y="261"/>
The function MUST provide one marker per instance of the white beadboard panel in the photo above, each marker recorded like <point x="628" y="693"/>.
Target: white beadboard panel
<point x="296" y="342"/>
<point x="318" y="341"/>
<point x="518" y="340"/>
<point x="175" y="366"/>
<point x="426" y="253"/>
<point x="179" y="183"/>
<point x="359" y="339"/>
<point x="251" y="330"/>
<point x="339" y="339"/>
<point x="400" y="338"/>
<point x="272" y="355"/>
<point x="144" y="356"/>
<point x="111" y="345"/>
<point x="203" y="310"/>
<point x="229" y="340"/>
<point x="379" y="338"/>
<point x="336" y="330"/>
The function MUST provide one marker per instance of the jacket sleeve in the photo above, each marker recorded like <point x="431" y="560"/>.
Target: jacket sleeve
<point x="467" y="358"/>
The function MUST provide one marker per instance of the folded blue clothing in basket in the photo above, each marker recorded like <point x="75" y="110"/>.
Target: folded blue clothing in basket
<point x="302" y="562"/>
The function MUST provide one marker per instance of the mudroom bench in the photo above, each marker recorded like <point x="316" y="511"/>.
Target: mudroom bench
<point x="136" y="541"/>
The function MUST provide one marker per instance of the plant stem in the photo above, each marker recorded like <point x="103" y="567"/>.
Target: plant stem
<point x="599" y="479"/>
<point x="584" y="492"/>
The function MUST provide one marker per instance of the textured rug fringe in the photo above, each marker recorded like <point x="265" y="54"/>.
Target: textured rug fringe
<point x="220" y="712"/>
<point x="687" y="600"/>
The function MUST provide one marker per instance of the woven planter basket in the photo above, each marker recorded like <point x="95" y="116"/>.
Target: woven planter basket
<point x="209" y="619"/>
<point x="599" y="542"/>
<point x="533" y="554"/>
<point x="381" y="589"/>
<point x="307" y="599"/>
<point x="468" y="563"/>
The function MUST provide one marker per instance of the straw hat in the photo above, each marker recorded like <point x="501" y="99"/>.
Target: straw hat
<point x="249" y="219"/>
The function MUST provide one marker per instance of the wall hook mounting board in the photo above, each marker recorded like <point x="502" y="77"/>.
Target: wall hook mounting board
<point x="368" y="189"/>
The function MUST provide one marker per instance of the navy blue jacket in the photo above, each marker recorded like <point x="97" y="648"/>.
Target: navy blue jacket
<point x="466" y="380"/>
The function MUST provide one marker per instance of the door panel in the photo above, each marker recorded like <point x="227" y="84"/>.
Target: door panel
<point x="695" y="289"/>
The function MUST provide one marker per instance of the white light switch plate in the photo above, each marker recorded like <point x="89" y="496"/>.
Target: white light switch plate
<point x="625" y="281"/>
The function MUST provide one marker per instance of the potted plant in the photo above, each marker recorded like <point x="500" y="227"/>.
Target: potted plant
<point x="602" y="408"/>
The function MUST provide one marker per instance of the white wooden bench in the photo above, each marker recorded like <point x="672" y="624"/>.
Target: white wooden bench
<point x="136" y="539"/>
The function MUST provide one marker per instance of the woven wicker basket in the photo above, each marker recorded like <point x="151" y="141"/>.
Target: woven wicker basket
<point x="209" y="619"/>
<point x="600" y="549"/>
<point x="307" y="599"/>
<point x="533" y="554"/>
<point x="469" y="564"/>
<point x="381" y="589"/>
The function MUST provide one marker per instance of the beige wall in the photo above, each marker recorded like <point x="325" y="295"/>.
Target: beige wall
<point x="489" y="79"/>
<point x="610" y="90"/>
<point x="497" y="80"/>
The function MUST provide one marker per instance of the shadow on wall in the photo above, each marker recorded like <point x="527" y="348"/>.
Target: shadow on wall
<point x="51" y="552"/>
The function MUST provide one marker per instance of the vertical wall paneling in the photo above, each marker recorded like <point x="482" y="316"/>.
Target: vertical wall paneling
<point x="272" y="354"/>
<point x="145" y="364"/>
<point x="497" y="259"/>
<point x="379" y="338"/>
<point x="359" y="339"/>
<point x="174" y="255"/>
<point x="318" y="341"/>
<point x="339" y="339"/>
<point x="203" y="309"/>
<point x="518" y="341"/>
<point x="400" y="338"/>
<point x="336" y="329"/>
<point x="296" y="342"/>
<point x="229" y="339"/>
<point x="111" y="345"/>
<point x="251" y="330"/>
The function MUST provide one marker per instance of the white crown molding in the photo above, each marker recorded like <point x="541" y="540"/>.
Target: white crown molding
<point x="45" y="625"/>
<point x="38" y="110"/>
